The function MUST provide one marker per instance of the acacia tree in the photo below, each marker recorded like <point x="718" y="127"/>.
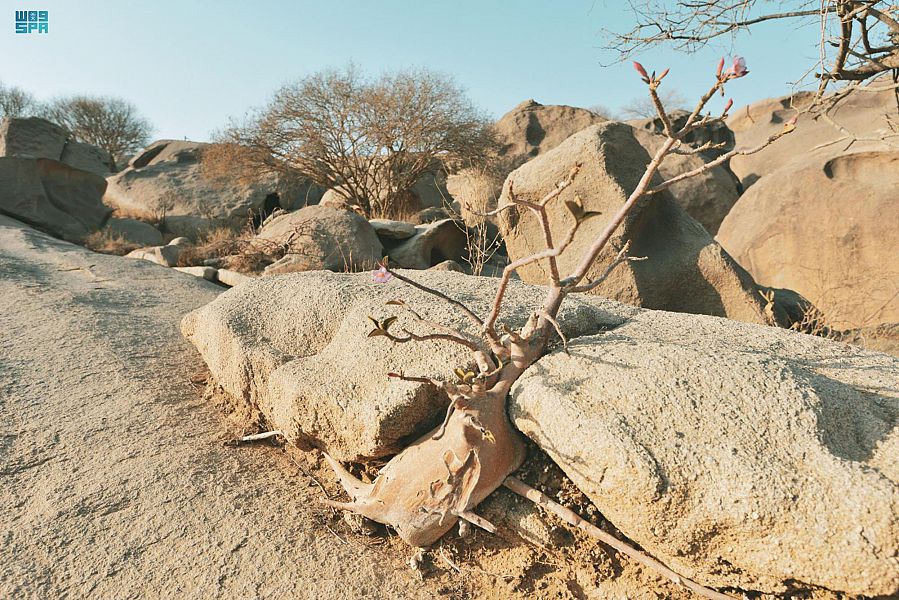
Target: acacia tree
<point x="15" y="102"/>
<point x="369" y="139"/>
<point x="112" y="124"/>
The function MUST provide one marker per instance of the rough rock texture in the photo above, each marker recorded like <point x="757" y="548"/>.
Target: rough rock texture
<point x="685" y="270"/>
<point x="135" y="231"/>
<point x="113" y="476"/>
<point x="296" y="347"/>
<point x="738" y="455"/>
<point x="52" y="196"/>
<point x="707" y="197"/>
<point x="167" y="177"/>
<point x="321" y="237"/>
<point x="388" y="229"/>
<point x="531" y="128"/>
<point x="826" y="227"/>
<point x="38" y="138"/>
<point x="432" y="244"/>
<point x="863" y="114"/>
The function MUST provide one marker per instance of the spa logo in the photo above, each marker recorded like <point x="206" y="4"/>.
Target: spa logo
<point x="32" y="21"/>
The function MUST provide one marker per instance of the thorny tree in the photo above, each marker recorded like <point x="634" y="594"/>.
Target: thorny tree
<point x="439" y="480"/>
<point x="371" y="140"/>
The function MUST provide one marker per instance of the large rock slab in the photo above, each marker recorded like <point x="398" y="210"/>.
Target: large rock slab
<point x="52" y="196"/>
<point x="114" y="481"/>
<point x="685" y="270"/>
<point x="738" y="455"/>
<point x="167" y="179"/>
<point x="321" y="237"/>
<point x="863" y="114"/>
<point x="826" y="227"/>
<point x="34" y="137"/>
<point x="297" y="347"/>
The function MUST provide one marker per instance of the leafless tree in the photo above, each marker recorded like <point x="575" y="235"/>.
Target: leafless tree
<point x="859" y="38"/>
<point x="16" y="102"/>
<point x="368" y="138"/>
<point x="643" y="108"/>
<point x="112" y="124"/>
<point x="601" y="110"/>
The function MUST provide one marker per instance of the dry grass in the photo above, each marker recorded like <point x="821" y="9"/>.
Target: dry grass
<point x="109" y="242"/>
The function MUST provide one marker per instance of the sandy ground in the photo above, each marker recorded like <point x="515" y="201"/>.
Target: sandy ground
<point x="114" y="482"/>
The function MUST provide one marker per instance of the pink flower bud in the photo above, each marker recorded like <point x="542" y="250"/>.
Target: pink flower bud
<point x="641" y="71"/>
<point x="792" y="120"/>
<point x="662" y="76"/>
<point x="720" y="67"/>
<point x="730" y="102"/>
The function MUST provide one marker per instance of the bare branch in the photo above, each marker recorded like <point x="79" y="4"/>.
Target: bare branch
<point x="622" y="257"/>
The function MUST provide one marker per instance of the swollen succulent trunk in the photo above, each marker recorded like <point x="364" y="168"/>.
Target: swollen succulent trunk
<point x="425" y="489"/>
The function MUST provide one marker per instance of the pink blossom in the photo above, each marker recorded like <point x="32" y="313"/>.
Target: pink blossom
<point x="730" y="102"/>
<point x="382" y="275"/>
<point x="720" y="67"/>
<point x="738" y="69"/>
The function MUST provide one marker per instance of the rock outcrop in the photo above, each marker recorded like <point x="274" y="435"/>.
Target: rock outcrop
<point x="827" y="227"/>
<point x="52" y="196"/>
<point x="707" y="197"/>
<point x="715" y="133"/>
<point x="321" y="237"/>
<point x="312" y="370"/>
<point x="34" y="137"/>
<point x="113" y="476"/>
<point x="863" y="114"/>
<point x="738" y="455"/>
<point x="531" y="129"/>
<point x="168" y="180"/>
<point x="685" y="269"/>
<point x="742" y="456"/>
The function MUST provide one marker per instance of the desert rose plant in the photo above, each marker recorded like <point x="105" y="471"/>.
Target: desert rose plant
<point x="441" y="478"/>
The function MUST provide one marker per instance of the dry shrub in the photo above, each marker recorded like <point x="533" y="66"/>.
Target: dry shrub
<point x="814" y="322"/>
<point x="236" y="249"/>
<point x="109" y="242"/>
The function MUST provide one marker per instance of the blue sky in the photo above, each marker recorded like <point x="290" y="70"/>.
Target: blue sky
<point x="190" y="64"/>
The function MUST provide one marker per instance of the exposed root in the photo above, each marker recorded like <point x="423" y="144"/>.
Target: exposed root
<point x="572" y="518"/>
